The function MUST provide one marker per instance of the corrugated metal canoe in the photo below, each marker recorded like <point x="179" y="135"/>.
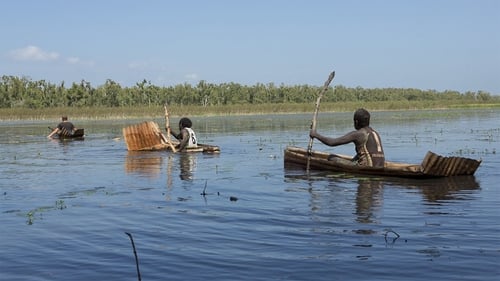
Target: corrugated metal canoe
<point x="148" y="136"/>
<point x="432" y="166"/>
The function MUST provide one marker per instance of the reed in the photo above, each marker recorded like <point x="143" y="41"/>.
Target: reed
<point x="221" y="110"/>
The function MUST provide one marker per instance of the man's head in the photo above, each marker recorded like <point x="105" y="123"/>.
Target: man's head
<point x="185" y="123"/>
<point x="361" y="118"/>
<point x="64" y="118"/>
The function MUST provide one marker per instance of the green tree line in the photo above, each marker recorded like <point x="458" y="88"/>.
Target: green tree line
<point x="22" y="92"/>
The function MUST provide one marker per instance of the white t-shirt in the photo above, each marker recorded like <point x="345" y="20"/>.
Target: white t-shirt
<point x="193" y="142"/>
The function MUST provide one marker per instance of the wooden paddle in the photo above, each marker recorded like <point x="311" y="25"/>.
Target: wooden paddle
<point x="315" y="116"/>
<point x="167" y="126"/>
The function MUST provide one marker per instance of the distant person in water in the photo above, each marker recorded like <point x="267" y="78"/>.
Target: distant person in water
<point x="369" y="151"/>
<point x="187" y="136"/>
<point x="65" y="125"/>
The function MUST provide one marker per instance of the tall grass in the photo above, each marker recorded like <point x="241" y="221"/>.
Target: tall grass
<point x="237" y="109"/>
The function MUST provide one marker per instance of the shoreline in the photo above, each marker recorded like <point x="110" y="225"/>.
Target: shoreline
<point x="121" y="113"/>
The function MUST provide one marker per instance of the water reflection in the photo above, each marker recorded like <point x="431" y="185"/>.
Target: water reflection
<point x="65" y="144"/>
<point x="149" y="163"/>
<point x="440" y="189"/>
<point x="369" y="193"/>
<point x="187" y="164"/>
<point x="368" y="198"/>
<point x="143" y="163"/>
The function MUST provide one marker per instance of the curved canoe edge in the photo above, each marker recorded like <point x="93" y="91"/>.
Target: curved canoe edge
<point x="298" y="157"/>
<point x="79" y="134"/>
<point x="204" y="148"/>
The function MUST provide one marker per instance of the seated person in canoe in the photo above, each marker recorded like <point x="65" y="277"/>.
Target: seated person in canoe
<point x="186" y="136"/>
<point x="368" y="145"/>
<point x="65" y="126"/>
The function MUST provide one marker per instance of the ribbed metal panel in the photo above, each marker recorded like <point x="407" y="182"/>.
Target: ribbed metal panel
<point x="437" y="165"/>
<point x="143" y="136"/>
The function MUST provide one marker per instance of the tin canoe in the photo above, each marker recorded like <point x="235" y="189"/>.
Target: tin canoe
<point x="147" y="136"/>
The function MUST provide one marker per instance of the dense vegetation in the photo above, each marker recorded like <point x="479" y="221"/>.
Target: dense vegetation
<point x="16" y="92"/>
<point x="23" y="98"/>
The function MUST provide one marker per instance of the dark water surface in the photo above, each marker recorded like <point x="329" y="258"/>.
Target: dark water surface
<point x="65" y="206"/>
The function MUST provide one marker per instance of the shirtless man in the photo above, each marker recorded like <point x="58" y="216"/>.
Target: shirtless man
<point x="369" y="151"/>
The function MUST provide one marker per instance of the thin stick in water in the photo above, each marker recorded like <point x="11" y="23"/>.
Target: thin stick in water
<point x="204" y="189"/>
<point x="135" y="254"/>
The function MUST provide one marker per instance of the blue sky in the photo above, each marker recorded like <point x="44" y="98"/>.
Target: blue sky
<point x="424" y="44"/>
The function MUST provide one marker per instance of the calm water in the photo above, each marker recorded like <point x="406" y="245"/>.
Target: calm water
<point x="65" y="206"/>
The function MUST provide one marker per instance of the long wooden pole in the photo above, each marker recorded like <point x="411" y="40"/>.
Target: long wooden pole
<point x="315" y="116"/>
<point x="167" y="126"/>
